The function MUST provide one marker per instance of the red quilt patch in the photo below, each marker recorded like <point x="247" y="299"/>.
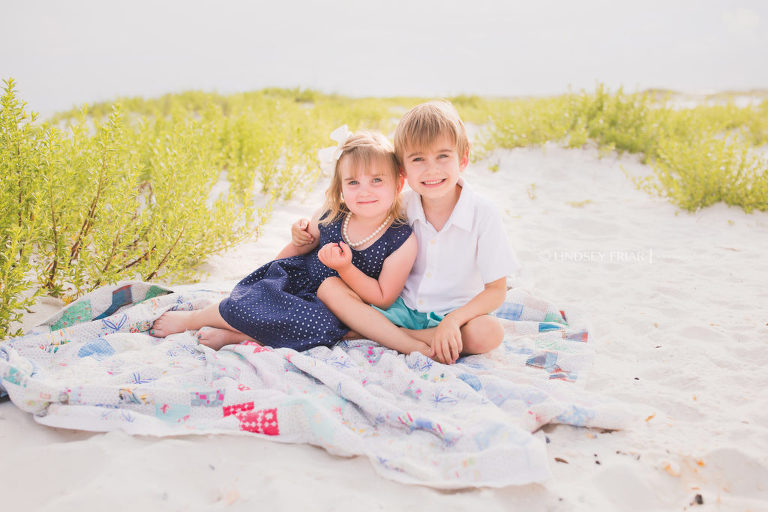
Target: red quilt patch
<point x="229" y="410"/>
<point x="260" y="422"/>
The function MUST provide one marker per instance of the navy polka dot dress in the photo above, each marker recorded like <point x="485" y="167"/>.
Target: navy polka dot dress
<point x="277" y="303"/>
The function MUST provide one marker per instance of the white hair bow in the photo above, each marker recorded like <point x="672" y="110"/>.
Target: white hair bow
<point x="332" y="154"/>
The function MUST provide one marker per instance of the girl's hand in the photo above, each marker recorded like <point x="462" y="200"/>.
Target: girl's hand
<point x="446" y="342"/>
<point x="300" y="234"/>
<point x="335" y="256"/>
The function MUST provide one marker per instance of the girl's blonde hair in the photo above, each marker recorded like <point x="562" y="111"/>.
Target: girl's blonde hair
<point x="361" y="150"/>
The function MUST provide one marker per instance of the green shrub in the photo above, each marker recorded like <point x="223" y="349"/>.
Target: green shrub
<point x="20" y="156"/>
<point x="700" y="156"/>
<point x="123" y="190"/>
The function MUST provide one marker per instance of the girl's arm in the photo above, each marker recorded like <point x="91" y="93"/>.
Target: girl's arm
<point x="294" y="249"/>
<point x="382" y="292"/>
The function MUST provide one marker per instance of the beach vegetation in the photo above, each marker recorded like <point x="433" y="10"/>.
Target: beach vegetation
<point x="21" y="206"/>
<point x="713" y="152"/>
<point x="148" y="188"/>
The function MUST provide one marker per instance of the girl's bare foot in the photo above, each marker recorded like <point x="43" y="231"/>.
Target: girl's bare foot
<point x="216" y="338"/>
<point x="352" y="335"/>
<point x="425" y="349"/>
<point x="171" y="322"/>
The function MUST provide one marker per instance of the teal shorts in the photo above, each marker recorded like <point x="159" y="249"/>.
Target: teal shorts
<point x="403" y="316"/>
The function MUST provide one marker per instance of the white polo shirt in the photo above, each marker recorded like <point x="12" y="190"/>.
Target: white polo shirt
<point x="454" y="264"/>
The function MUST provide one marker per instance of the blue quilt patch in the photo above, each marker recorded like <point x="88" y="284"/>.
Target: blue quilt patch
<point x="99" y="349"/>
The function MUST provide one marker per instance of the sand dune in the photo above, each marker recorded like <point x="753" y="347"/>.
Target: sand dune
<point x="678" y="307"/>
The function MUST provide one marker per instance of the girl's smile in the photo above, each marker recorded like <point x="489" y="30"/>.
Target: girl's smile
<point x="368" y="193"/>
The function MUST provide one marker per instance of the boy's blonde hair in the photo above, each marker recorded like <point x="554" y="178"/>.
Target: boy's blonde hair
<point x="421" y="126"/>
<point x="361" y="149"/>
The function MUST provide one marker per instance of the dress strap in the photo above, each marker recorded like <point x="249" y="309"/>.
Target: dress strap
<point x="398" y="234"/>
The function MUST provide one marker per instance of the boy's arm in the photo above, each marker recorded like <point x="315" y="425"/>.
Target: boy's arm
<point x="300" y="233"/>
<point x="380" y="292"/>
<point x="296" y="249"/>
<point x="481" y="304"/>
<point x="446" y="341"/>
<point x="494" y="258"/>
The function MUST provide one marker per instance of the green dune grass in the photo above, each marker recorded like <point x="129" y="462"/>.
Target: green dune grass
<point x="123" y="189"/>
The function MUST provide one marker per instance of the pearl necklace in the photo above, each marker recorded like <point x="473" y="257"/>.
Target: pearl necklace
<point x="345" y="231"/>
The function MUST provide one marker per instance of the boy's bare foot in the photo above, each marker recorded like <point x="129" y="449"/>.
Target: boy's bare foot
<point x="216" y="338"/>
<point x="171" y="322"/>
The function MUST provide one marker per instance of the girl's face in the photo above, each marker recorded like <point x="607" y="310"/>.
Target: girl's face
<point x="368" y="193"/>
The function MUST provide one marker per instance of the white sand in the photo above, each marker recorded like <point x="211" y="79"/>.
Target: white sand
<point x="678" y="304"/>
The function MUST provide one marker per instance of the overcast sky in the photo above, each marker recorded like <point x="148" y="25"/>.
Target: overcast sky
<point x="63" y="53"/>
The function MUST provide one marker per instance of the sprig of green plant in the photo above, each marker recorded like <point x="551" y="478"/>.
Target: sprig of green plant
<point x="19" y="159"/>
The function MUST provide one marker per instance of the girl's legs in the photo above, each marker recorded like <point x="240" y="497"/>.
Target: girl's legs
<point x="219" y="334"/>
<point x="362" y="318"/>
<point x="216" y="338"/>
<point x="172" y="322"/>
<point x="423" y="335"/>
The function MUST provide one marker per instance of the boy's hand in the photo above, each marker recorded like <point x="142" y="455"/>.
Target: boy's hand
<point x="300" y="234"/>
<point x="446" y="342"/>
<point x="335" y="256"/>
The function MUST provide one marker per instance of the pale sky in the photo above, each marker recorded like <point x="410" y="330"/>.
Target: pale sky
<point x="63" y="53"/>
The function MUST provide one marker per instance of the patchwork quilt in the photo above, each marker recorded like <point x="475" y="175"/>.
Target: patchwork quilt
<point x="93" y="366"/>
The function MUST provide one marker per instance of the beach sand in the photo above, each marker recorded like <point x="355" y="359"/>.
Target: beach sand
<point x="677" y="303"/>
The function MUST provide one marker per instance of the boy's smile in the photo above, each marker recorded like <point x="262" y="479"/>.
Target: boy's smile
<point x="433" y="172"/>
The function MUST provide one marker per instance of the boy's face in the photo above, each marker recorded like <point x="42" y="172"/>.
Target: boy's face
<point x="433" y="172"/>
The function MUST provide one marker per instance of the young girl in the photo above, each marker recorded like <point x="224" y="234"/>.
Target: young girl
<point x="360" y="235"/>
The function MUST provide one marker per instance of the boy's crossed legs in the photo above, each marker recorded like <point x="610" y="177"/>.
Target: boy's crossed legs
<point x="212" y="330"/>
<point x="479" y="335"/>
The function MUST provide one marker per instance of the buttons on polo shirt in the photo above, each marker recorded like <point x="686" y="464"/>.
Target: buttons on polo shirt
<point x="429" y="274"/>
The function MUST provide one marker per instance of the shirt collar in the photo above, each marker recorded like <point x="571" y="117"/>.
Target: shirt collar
<point x="461" y="216"/>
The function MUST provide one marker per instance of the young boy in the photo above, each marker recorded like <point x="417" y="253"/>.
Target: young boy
<point x="459" y="276"/>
